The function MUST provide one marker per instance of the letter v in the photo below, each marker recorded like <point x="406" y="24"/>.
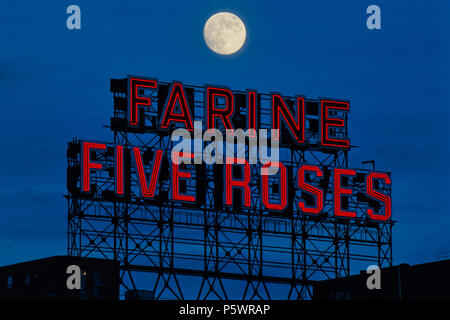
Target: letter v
<point x="148" y="192"/>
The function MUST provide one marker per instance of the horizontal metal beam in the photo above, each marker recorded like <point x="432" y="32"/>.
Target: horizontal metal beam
<point x="222" y="275"/>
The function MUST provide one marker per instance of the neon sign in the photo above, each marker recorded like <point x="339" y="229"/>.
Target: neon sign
<point x="295" y="123"/>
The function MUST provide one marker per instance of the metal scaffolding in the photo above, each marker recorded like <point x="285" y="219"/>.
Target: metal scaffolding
<point x="209" y="250"/>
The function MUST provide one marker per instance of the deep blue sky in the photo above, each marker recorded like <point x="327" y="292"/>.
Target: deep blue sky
<point x="54" y="84"/>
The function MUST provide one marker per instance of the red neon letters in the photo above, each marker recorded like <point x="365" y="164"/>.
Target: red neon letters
<point x="119" y="170"/>
<point x="230" y="183"/>
<point x="87" y="165"/>
<point x="311" y="189"/>
<point x="213" y="112"/>
<point x="147" y="192"/>
<point x="282" y="189"/>
<point x="296" y="127"/>
<point x="338" y="191"/>
<point x="147" y="182"/>
<point x="333" y="132"/>
<point x="219" y="109"/>
<point x="251" y="115"/>
<point x="177" y="174"/>
<point x="327" y="122"/>
<point x="135" y="100"/>
<point x="177" y="97"/>
<point x="378" y="196"/>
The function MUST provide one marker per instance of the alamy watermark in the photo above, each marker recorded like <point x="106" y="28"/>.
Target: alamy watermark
<point x="74" y="278"/>
<point x="374" y="280"/>
<point x="210" y="147"/>
<point x="73" y="22"/>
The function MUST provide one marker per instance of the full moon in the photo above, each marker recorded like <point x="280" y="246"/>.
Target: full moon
<point x="224" y="33"/>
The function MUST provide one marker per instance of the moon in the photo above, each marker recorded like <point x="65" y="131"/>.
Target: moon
<point x="224" y="33"/>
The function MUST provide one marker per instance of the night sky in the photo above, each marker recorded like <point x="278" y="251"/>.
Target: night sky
<point x="54" y="85"/>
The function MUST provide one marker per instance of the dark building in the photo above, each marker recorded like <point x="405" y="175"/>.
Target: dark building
<point x="139" y="295"/>
<point x="428" y="281"/>
<point x="47" y="279"/>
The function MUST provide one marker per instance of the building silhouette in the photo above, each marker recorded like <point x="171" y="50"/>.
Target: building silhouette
<point x="428" y="281"/>
<point x="46" y="279"/>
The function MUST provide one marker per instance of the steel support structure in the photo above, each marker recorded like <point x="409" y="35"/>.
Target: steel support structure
<point x="209" y="250"/>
